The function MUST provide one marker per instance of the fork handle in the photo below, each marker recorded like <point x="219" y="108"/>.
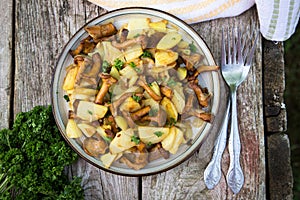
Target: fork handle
<point x="235" y="177"/>
<point x="212" y="173"/>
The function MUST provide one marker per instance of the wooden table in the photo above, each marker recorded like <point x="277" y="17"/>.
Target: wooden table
<point x="33" y="34"/>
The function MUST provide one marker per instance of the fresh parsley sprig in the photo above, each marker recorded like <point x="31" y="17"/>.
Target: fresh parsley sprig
<point x="33" y="155"/>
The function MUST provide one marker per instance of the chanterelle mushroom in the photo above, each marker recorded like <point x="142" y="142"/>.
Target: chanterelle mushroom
<point x="86" y="46"/>
<point x="191" y="60"/>
<point x="142" y="82"/>
<point x="167" y="91"/>
<point x="107" y="81"/>
<point x="100" y="31"/>
<point x="203" y="68"/>
<point x="202" y="98"/>
<point x="139" y="113"/>
<point x="208" y="117"/>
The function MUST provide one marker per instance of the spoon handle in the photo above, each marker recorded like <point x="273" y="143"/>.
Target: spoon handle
<point x="212" y="173"/>
<point x="235" y="176"/>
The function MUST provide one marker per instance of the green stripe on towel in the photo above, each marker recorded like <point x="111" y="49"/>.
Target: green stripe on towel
<point x="291" y="9"/>
<point x="273" y="22"/>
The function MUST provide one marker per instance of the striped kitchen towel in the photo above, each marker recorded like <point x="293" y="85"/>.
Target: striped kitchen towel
<point x="278" y="18"/>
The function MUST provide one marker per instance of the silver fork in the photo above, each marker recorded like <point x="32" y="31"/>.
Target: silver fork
<point x="234" y="70"/>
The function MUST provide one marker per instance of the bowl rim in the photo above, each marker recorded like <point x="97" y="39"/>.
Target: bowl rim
<point x="131" y="10"/>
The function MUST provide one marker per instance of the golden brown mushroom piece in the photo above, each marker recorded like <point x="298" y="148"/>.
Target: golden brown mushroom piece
<point x="208" y="117"/>
<point x="96" y="66"/>
<point x="191" y="60"/>
<point x="140" y="113"/>
<point x="99" y="31"/>
<point x="204" y="68"/>
<point x="136" y="159"/>
<point x="167" y="91"/>
<point x="160" y="118"/>
<point x="142" y="82"/>
<point x="127" y="43"/>
<point x="107" y="81"/>
<point x="189" y="102"/>
<point x="85" y="46"/>
<point x="202" y="97"/>
<point x="94" y="146"/>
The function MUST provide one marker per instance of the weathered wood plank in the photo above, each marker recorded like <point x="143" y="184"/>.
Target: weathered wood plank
<point x="279" y="162"/>
<point x="186" y="180"/>
<point x="6" y="13"/>
<point x="278" y="151"/>
<point x="42" y="29"/>
<point x="98" y="184"/>
<point x="274" y="86"/>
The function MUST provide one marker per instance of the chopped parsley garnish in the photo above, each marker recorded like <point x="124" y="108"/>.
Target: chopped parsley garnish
<point x="149" y="143"/>
<point x="158" y="133"/>
<point x="66" y="97"/>
<point x="138" y="70"/>
<point x="105" y="66"/>
<point x="171" y="82"/>
<point x="171" y="122"/>
<point x="193" y="48"/>
<point x="108" y="139"/>
<point x="136" y="98"/>
<point x="90" y="112"/>
<point x="153" y="112"/>
<point x="135" y="139"/>
<point x="133" y="65"/>
<point x="146" y="54"/>
<point x="136" y="35"/>
<point x="118" y="64"/>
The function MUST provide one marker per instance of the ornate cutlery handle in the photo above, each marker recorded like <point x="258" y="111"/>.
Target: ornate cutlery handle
<point x="212" y="173"/>
<point x="235" y="177"/>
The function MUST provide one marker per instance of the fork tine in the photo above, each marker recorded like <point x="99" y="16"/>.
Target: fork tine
<point x="239" y="46"/>
<point x="243" y="50"/>
<point x="250" y="56"/>
<point x="223" y="50"/>
<point x="228" y="47"/>
<point x="234" y="46"/>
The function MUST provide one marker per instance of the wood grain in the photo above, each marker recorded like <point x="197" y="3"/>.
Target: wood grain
<point x="186" y="180"/>
<point x="6" y="11"/>
<point x="274" y="86"/>
<point x="42" y="29"/>
<point x="281" y="176"/>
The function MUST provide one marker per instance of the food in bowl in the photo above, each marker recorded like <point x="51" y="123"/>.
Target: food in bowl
<point x="133" y="92"/>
